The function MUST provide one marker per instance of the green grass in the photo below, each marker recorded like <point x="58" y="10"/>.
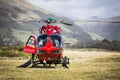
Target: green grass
<point x="12" y="51"/>
<point x="103" y="66"/>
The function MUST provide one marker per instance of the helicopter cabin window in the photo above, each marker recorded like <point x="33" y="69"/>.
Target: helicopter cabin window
<point x="30" y="42"/>
<point x="41" y="40"/>
<point x="56" y="40"/>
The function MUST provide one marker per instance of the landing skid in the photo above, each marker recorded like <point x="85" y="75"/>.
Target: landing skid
<point x="64" y="61"/>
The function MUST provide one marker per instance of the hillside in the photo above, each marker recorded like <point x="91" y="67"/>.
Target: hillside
<point x="110" y="31"/>
<point x="18" y="10"/>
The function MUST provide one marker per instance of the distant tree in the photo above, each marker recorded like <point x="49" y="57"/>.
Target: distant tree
<point x="106" y="44"/>
<point x="1" y="40"/>
<point x="116" y="45"/>
<point x="106" y="41"/>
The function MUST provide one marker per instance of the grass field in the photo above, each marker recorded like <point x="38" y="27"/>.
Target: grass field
<point x="85" y="65"/>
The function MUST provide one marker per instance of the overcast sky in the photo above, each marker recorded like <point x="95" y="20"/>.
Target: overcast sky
<point x="81" y="9"/>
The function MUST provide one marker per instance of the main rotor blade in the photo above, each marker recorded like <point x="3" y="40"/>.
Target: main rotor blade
<point x="27" y="21"/>
<point x="66" y="23"/>
<point x="101" y="21"/>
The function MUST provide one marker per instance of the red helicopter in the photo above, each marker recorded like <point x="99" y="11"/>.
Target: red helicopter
<point x="47" y="47"/>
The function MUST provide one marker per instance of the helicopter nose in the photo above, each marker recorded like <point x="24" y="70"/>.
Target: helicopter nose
<point x="48" y="47"/>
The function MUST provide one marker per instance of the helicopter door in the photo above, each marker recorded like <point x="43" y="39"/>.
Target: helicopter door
<point x="31" y="45"/>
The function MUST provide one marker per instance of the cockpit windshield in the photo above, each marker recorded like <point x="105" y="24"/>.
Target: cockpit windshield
<point x="55" y="39"/>
<point x="41" y="40"/>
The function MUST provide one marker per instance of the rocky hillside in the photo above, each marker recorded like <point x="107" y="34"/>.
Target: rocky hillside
<point x="18" y="10"/>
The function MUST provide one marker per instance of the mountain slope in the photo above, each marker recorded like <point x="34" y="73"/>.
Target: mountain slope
<point x="18" y="10"/>
<point x="110" y="31"/>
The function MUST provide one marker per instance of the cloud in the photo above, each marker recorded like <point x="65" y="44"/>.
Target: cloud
<point x="80" y="8"/>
